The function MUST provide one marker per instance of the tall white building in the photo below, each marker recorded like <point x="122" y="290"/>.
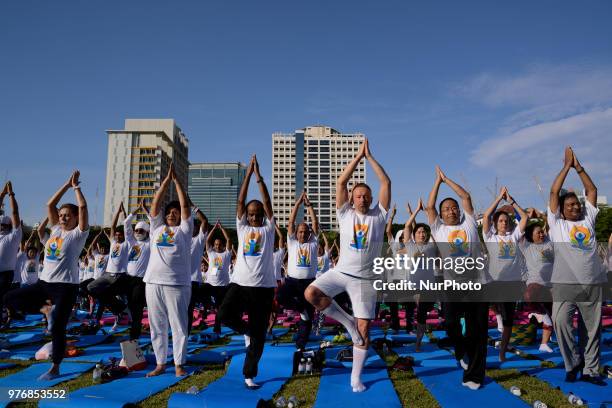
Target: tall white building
<point x="312" y="159"/>
<point x="139" y="157"/>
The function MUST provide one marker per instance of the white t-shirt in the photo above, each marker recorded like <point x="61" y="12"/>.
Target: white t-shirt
<point x="100" y="264"/>
<point x="459" y="240"/>
<point x="395" y="273"/>
<point x="255" y="263"/>
<point x="218" y="268"/>
<point x="279" y="257"/>
<point x="576" y="259"/>
<point x="28" y="268"/>
<point x="361" y="239"/>
<point x="505" y="260"/>
<point x="62" y="251"/>
<point x="301" y="263"/>
<point x="323" y="263"/>
<point x="425" y="272"/>
<point x="9" y="246"/>
<point x="118" y="257"/>
<point x="197" y="250"/>
<point x="170" y="259"/>
<point x="539" y="259"/>
<point x="138" y="251"/>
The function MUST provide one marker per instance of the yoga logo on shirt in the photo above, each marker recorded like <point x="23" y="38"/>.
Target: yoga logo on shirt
<point x="303" y="257"/>
<point x="507" y="250"/>
<point x="54" y="249"/>
<point x="116" y="250"/>
<point x="547" y="256"/>
<point x="218" y="263"/>
<point x="101" y="263"/>
<point x="580" y="237"/>
<point x="165" y="238"/>
<point x="252" y="244"/>
<point x="320" y="264"/>
<point x="458" y="243"/>
<point x="134" y="254"/>
<point x="31" y="267"/>
<point x="360" y="237"/>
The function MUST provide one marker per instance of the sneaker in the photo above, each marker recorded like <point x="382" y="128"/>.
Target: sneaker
<point x="595" y="380"/>
<point x="545" y="348"/>
<point x="471" y="385"/>
<point x="571" y="376"/>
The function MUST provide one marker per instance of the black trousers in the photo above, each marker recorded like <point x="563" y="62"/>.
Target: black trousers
<point x="215" y="295"/>
<point x="29" y="299"/>
<point x="291" y="296"/>
<point x="6" y="281"/>
<point x="198" y="295"/>
<point x="105" y="289"/>
<point x="135" y="292"/>
<point x="474" y="343"/>
<point x="257" y="303"/>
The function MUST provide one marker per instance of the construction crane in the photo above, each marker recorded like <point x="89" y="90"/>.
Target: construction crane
<point x="540" y="190"/>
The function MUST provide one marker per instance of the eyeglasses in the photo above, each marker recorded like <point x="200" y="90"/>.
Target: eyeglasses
<point x="140" y="231"/>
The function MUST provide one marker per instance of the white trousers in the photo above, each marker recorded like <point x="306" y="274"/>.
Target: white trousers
<point x="166" y="303"/>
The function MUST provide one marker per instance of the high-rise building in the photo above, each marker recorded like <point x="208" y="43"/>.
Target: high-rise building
<point x="138" y="160"/>
<point x="214" y="188"/>
<point x="311" y="159"/>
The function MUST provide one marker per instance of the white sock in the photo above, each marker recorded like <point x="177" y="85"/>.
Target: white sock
<point x="500" y="322"/>
<point x="335" y="312"/>
<point x="547" y="320"/>
<point x="471" y="385"/>
<point x="247" y="341"/>
<point x="359" y="358"/>
<point x="545" y="348"/>
<point x="250" y="383"/>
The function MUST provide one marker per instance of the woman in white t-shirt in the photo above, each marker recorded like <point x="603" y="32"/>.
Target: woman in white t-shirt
<point x="578" y="274"/>
<point x="219" y="255"/>
<point x="27" y="262"/>
<point x="59" y="280"/>
<point x="505" y="285"/>
<point x="168" y="275"/>
<point x="10" y="237"/>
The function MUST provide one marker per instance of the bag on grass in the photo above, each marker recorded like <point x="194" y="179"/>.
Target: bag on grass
<point x="132" y="356"/>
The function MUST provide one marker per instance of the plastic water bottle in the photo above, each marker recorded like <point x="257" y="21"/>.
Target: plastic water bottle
<point x="515" y="390"/>
<point x="97" y="373"/>
<point x="309" y="366"/>
<point x="192" y="390"/>
<point x="302" y="366"/>
<point x="539" y="404"/>
<point x="292" y="402"/>
<point x="280" y="402"/>
<point x="574" y="399"/>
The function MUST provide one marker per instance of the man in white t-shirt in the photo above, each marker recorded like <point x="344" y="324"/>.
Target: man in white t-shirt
<point x="10" y="237"/>
<point x="219" y="256"/>
<point x="114" y="282"/>
<point x="457" y="237"/>
<point x="323" y="256"/>
<point x="578" y="274"/>
<point x="198" y="241"/>
<point x="253" y="281"/>
<point x="361" y="238"/>
<point x="302" y="246"/>
<point x="139" y="250"/>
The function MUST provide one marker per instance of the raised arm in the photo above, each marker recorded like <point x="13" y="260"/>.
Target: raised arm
<point x="466" y="198"/>
<point x="52" y="214"/>
<point x="325" y="241"/>
<point x="14" y="207"/>
<point x="486" y="219"/>
<point x="293" y="215"/>
<point x="590" y="190"/>
<point x="228" y="242"/>
<point x="159" y="195"/>
<point x="281" y="241"/>
<point x="83" y="213"/>
<point x="94" y="243"/>
<point x="209" y="239"/>
<point x="555" y="189"/>
<point x="409" y="224"/>
<point x="431" y="211"/>
<point x="128" y="229"/>
<point x="389" y="229"/>
<point x="384" y="192"/>
<point x="342" y="194"/>
<point x="522" y="213"/>
<point x="182" y="195"/>
<point x="263" y="190"/>
<point x="202" y="218"/>
<point x="120" y="211"/>
<point x="314" y="222"/>
<point x="244" y="190"/>
<point x="42" y="229"/>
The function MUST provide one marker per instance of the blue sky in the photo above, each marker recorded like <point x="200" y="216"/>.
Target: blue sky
<point x="484" y="89"/>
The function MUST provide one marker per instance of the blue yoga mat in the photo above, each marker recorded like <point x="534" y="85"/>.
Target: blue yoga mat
<point x="429" y="356"/>
<point x="512" y="361"/>
<point x="27" y="378"/>
<point x="17" y="339"/>
<point x="592" y="395"/>
<point x="224" y="330"/>
<point x="406" y="338"/>
<point x="4" y="366"/>
<point x="275" y="368"/>
<point x="127" y="390"/>
<point x="335" y="389"/>
<point x="554" y="357"/>
<point x="444" y="383"/>
<point x="103" y="352"/>
<point x="373" y="360"/>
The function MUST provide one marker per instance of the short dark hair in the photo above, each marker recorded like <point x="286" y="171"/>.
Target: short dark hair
<point x="259" y="204"/>
<point x="172" y="204"/>
<point x="498" y="214"/>
<point x="530" y="228"/>
<point x="564" y="197"/>
<point x="424" y="226"/>
<point x="445" y="200"/>
<point x="74" y="210"/>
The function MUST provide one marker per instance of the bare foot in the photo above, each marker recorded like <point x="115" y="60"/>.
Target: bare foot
<point x="51" y="374"/>
<point x="159" y="369"/>
<point x="179" y="371"/>
<point x="502" y="355"/>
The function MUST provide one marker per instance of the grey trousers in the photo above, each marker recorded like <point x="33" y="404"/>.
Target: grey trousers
<point x="588" y="301"/>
